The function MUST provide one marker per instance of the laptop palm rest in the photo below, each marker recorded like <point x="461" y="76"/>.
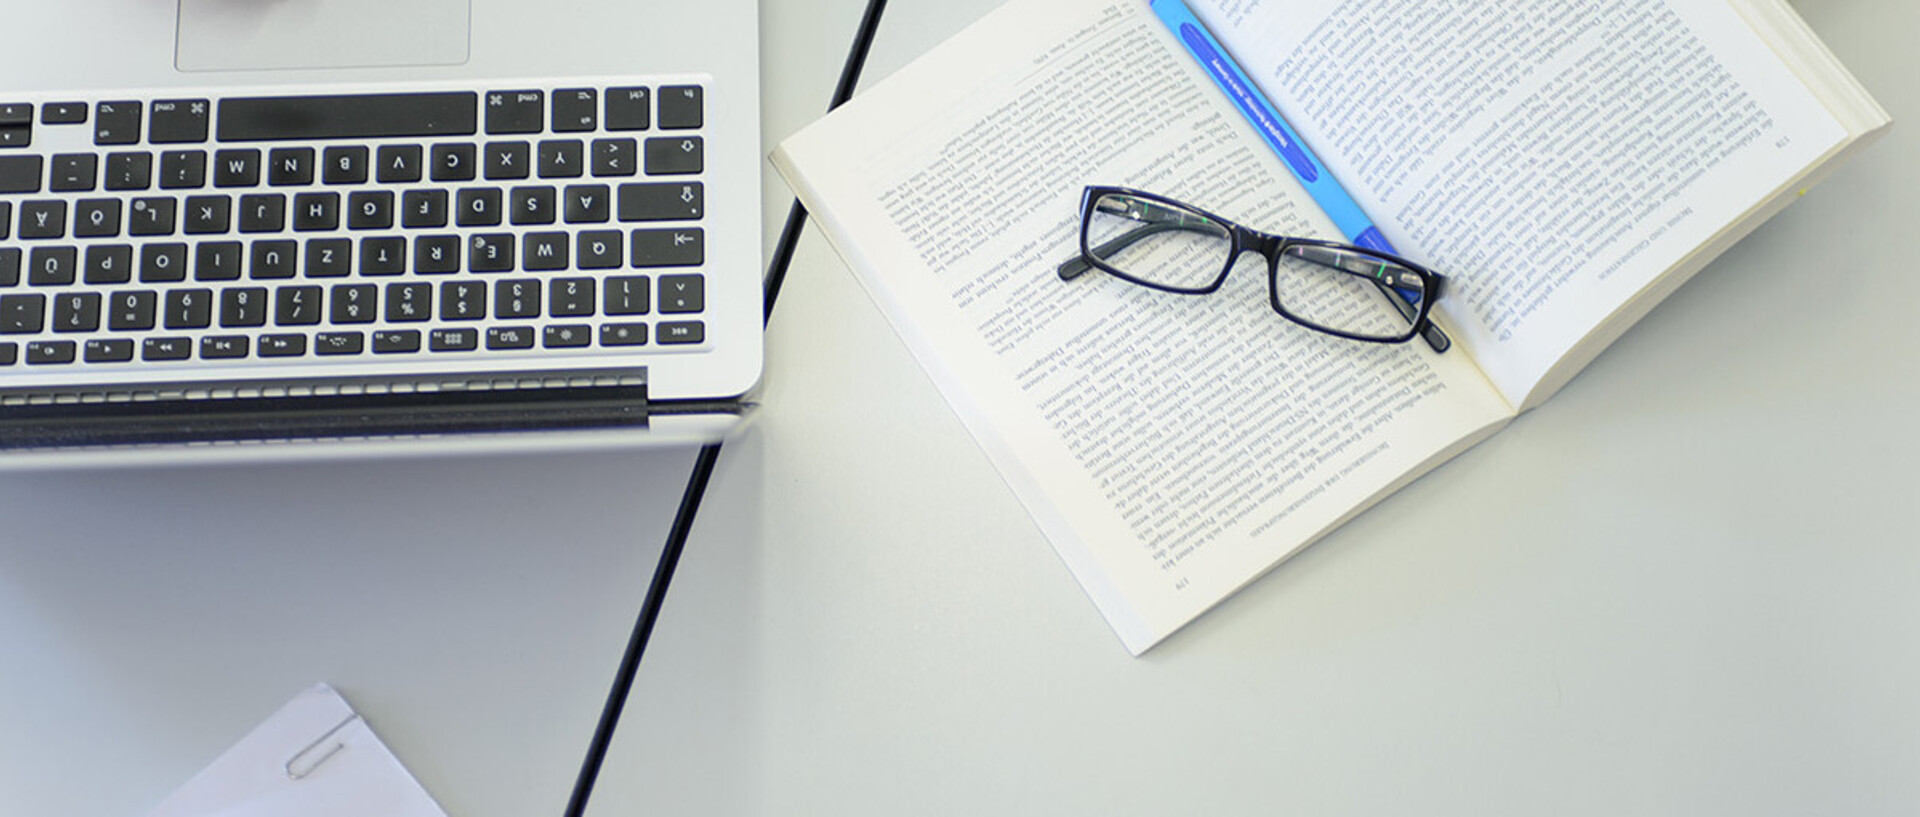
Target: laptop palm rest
<point x="246" y="35"/>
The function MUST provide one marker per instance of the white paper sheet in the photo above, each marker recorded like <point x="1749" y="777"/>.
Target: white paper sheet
<point x="315" y="757"/>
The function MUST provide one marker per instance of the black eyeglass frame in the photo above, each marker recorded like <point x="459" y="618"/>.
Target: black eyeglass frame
<point x="1269" y="246"/>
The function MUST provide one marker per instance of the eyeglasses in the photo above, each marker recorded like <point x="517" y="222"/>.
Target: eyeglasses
<point x="1340" y="289"/>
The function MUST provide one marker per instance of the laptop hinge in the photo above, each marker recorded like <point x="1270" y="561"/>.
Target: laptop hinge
<point x="321" y="408"/>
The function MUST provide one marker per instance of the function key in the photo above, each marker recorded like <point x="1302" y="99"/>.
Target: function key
<point x="515" y="111"/>
<point x="576" y="109"/>
<point x="680" y="106"/>
<point x="178" y="121"/>
<point x="116" y="123"/>
<point x="63" y="113"/>
<point x="629" y="108"/>
<point x="50" y="351"/>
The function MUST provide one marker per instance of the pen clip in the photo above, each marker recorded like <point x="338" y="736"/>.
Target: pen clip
<point x="296" y="769"/>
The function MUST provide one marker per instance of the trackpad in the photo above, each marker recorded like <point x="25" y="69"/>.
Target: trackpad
<point x="241" y="35"/>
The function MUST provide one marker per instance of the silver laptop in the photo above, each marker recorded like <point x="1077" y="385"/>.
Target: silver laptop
<point x="239" y="229"/>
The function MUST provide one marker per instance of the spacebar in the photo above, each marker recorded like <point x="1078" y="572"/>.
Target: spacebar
<point x="363" y="116"/>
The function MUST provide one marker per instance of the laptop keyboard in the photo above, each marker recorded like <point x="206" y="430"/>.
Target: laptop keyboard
<point x="143" y="231"/>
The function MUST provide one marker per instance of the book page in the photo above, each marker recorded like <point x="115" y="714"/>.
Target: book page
<point x="1554" y="159"/>
<point x="1172" y="447"/>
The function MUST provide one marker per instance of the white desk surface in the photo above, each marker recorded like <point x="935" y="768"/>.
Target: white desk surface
<point x="1689" y="584"/>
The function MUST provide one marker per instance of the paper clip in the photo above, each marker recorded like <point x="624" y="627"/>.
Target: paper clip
<point x="296" y="770"/>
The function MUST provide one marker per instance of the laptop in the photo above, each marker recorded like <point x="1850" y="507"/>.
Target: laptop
<point x="271" y="229"/>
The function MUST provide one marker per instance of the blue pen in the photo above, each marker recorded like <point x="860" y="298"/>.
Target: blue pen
<point x="1327" y="192"/>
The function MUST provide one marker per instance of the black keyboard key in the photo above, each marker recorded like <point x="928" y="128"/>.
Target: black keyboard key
<point x="662" y="201"/>
<point x="629" y="295"/>
<point x="16" y="113"/>
<point x="623" y="334"/>
<point x="370" y="210"/>
<point x="183" y="169"/>
<point x="263" y="213"/>
<point x="460" y="301"/>
<point x="570" y="297"/>
<point x="151" y="216"/>
<point x="575" y="109"/>
<point x="63" y="113"/>
<point x="16" y="136"/>
<point x="353" y="303"/>
<point x="9" y="353"/>
<point x="108" y="350"/>
<point x="316" y="211"/>
<point x="675" y="155"/>
<point x="453" y="340"/>
<point x="272" y="260"/>
<point x="166" y="348"/>
<point x="217" y="261"/>
<point x="43" y="352"/>
<point x="451" y="163"/>
<point x="681" y="294"/>
<point x="339" y="343"/>
<point x="19" y="174"/>
<point x="290" y="166"/>
<point x="116" y="123"/>
<point x="357" y="116"/>
<point x="599" y="249"/>
<point x="96" y="218"/>
<point x="545" y="252"/>
<point x="515" y="111"/>
<point x="43" y="219"/>
<point x="344" y="165"/>
<point x="399" y="163"/>
<point x="615" y="157"/>
<point x="224" y="347"/>
<point x="9" y="266"/>
<point x="329" y="257"/>
<point x="52" y="266"/>
<point x="436" y="254"/>
<point x="421" y="209"/>
<point x="188" y="309"/>
<point x="516" y="299"/>
<point x="396" y="341"/>
<point x="73" y="172"/>
<point x="237" y="167"/>
<point x="163" y="263"/>
<point x="409" y="303"/>
<point x="131" y="310"/>
<point x="510" y="337"/>
<point x="681" y="106"/>
<point x="678" y="332"/>
<point x="532" y="205"/>
<point x="477" y="207"/>
<point x="179" y="120"/>
<point x="283" y="345"/>
<point x="76" y="312"/>
<point x="22" y="314"/>
<point x="566" y="336"/>
<point x="588" y="204"/>
<point x="676" y="247"/>
<point x="129" y="171"/>
<point x="108" y="264"/>
<point x="296" y="306"/>
<point x="509" y="160"/>
<point x="385" y="255"/>
<point x="629" y="108"/>
<point x="243" y="307"/>
<point x="562" y="159"/>
<point x="207" y="215"/>
<point x="492" y="252"/>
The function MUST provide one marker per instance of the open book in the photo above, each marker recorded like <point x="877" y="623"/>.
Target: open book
<point x="1565" y="170"/>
